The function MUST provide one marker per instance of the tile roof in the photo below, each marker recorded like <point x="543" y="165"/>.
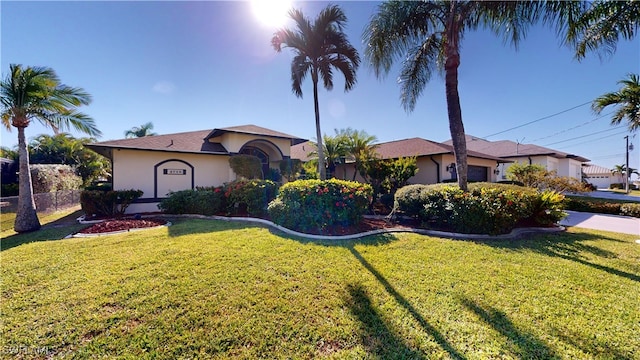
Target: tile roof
<point x="255" y="130"/>
<point x="507" y="149"/>
<point x="398" y="148"/>
<point x="192" y="142"/>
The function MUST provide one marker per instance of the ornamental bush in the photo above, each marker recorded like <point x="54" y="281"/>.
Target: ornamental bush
<point x="630" y="210"/>
<point x="203" y="201"/>
<point x="315" y="205"/>
<point x="51" y="178"/>
<point x="250" y="196"/>
<point x="487" y="208"/>
<point x="107" y="203"/>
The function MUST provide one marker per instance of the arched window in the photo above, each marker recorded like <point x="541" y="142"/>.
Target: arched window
<point x="264" y="158"/>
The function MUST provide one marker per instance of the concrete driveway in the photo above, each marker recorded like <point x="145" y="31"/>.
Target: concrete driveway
<point x="613" y="223"/>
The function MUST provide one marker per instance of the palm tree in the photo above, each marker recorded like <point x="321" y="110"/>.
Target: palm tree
<point x="334" y="149"/>
<point x="360" y="146"/>
<point x="628" y="99"/>
<point x="319" y="48"/>
<point x="140" y="131"/>
<point x="36" y="93"/>
<point x="426" y="36"/>
<point x="602" y="24"/>
<point x="622" y="170"/>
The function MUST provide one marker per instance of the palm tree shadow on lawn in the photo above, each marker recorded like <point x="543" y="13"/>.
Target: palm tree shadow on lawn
<point x="53" y="231"/>
<point x="568" y="246"/>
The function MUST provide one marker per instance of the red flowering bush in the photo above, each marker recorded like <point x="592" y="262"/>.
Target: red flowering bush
<point x="316" y="205"/>
<point x="250" y="196"/>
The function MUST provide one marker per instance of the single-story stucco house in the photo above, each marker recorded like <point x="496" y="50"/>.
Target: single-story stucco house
<point x="564" y="164"/>
<point x="600" y="176"/>
<point x="163" y="163"/>
<point x="436" y="161"/>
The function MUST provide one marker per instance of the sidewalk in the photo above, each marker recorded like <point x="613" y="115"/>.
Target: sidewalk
<point x="613" y="223"/>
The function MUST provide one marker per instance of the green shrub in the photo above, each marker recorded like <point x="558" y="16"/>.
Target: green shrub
<point x="252" y="196"/>
<point x="203" y="201"/>
<point x="9" y="190"/>
<point x="314" y="205"/>
<point x="487" y="208"/>
<point x="630" y="210"/>
<point x="585" y="205"/>
<point x="107" y="203"/>
<point x="618" y="186"/>
<point x="246" y="166"/>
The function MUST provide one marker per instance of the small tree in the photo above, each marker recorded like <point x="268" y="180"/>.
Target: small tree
<point x="537" y="176"/>
<point x="246" y="166"/>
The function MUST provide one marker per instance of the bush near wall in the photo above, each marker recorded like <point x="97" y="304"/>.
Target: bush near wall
<point x="315" y="205"/>
<point x="203" y="201"/>
<point x="107" y="203"/>
<point x="249" y="197"/>
<point x="601" y="206"/>
<point x="487" y="208"/>
<point x="50" y="178"/>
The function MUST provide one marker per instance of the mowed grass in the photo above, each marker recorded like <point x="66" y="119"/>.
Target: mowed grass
<point x="212" y="289"/>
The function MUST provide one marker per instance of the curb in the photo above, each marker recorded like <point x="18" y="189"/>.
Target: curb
<point x="515" y="233"/>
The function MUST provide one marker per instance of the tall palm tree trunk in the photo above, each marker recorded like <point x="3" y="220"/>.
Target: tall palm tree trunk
<point x="321" y="169"/>
<point x="26" y="218"/>
<point x="456" y="127"/>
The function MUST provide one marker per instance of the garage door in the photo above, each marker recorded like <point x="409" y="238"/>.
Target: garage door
<point x="477" y="173"/>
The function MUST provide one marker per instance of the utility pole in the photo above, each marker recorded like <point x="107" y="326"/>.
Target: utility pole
<point x="626" y="169"/>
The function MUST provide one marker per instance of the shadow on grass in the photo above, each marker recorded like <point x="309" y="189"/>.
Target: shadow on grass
<point x="191" y="226"/>
<point x="526" y="346"/>
<point x="568" y="246"/>
<point x="53" y="231"/>
<point x="592" y="345"/>
<point x="428" y="328"/>
<point x="376" y="336"/>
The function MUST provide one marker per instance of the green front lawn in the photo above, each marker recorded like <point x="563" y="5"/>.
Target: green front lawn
<point x="211" y="289"/>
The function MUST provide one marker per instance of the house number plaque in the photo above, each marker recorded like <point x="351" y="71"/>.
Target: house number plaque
<point x="174" y="171"/>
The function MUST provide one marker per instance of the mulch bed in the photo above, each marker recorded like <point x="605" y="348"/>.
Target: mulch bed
<point x="121" y="224"/>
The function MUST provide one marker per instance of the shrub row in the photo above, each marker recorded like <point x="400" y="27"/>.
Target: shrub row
<point x="602" y="207"/>
<point x="487" y="208"/>
<point x="314" y="205"/>
<point x="107" y="203"/>
<point x="249" y="197"/>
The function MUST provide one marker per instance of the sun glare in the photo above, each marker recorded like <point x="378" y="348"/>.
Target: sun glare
<point x="271" y="13"/>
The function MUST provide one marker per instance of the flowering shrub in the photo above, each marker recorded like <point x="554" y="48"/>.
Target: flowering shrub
<point x="316" y="205"/>
<point x="630" y="210"/>
<point x="487" y="208"/>
<point x="251" y="196"/>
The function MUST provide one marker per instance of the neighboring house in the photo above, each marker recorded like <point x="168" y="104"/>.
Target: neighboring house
<point x="160" y="164"/>
<point x="564" y="164"/>
<point x="600" y="176"/>
<point x="436" y="162"/>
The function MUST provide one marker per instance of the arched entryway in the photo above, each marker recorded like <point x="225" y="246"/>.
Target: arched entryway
<point x="268" y="153"/>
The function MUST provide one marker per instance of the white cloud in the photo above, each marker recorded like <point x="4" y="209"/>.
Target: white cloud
<point x="163" y="87"/>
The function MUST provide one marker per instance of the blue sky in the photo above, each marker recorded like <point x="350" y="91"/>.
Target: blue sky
<point x="201" y="65"/>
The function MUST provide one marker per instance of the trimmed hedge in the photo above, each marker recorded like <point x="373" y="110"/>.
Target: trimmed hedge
<point x="487" y="208"/>
<point x="107" y="203"/>
<point x="602" y="206"/>
<point x="201" y="201"/>
<point x="314" y="205"/>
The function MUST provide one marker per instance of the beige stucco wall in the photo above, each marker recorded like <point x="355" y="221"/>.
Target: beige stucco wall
<point x="233" y="142"/>
<point x="428" y="170"/>
<point x="135" y="169"/>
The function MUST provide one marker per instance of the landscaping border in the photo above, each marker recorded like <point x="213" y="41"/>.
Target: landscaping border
<point x="514" y="234"/>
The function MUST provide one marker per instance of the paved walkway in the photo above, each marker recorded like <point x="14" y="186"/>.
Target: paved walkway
<point x="613" y="223"/>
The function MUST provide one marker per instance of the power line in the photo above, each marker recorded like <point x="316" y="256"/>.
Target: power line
<point x="583" y="136"/>
<point x="540" y="119"/>
<point x="573" y="128"/>
<point x="590" y="141"/>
